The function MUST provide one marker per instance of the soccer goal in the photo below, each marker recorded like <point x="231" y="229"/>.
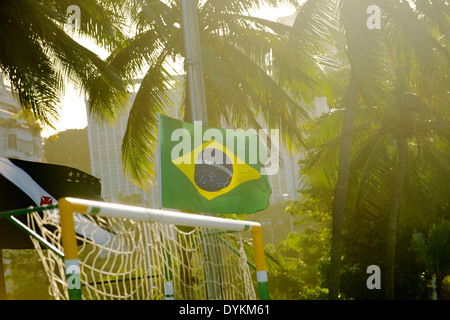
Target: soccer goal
<point x="97" y="250"/>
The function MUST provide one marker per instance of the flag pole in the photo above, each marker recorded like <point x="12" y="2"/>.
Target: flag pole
<point x="193" y="62"/>
<point x="197" y="100"/>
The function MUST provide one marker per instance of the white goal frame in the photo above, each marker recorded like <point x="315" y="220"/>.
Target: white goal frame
<point x="68" y="206"/>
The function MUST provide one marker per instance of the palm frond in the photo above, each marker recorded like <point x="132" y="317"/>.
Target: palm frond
<point x="46" y="56"/>
<point x="365" y="51"/>
<point x="276" y="107"/>
<point x="140" y="139"/>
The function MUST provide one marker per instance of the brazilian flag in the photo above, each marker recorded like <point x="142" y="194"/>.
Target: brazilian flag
<point x="210" y="173"/>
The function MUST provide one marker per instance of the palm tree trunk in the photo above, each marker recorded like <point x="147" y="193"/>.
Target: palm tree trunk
<point x="399" y="181"/>
<point x="340" y="200"/>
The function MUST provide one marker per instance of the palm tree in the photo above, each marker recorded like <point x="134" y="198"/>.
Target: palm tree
<point x="399" y="143"/>
<point x="364" y="74"/>
<point x="38" y="56"/>
<point x="416" y="58"/>
<point x="368" y="55"/>
<point x="385" y="179"/>
<point x="241" y="91"/>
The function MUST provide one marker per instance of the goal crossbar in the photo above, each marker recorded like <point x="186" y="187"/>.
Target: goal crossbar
<point x="68" y="206"/>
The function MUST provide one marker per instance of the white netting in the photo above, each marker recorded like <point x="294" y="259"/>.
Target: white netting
<point x="149" y="261"/>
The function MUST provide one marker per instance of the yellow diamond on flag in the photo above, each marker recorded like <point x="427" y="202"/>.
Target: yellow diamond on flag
<point x="215" y="170"/>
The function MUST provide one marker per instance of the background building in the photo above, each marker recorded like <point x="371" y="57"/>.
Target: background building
<point x="17" y="138"/>
<point x="105" y="143"/>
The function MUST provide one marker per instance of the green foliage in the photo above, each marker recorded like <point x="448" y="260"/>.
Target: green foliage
<point x="364" y="233"/>
<point x="134" y="199"/>
<point x="439" y="247"/>
<point x="276" y="223"/>
<point x="434" y="253"/>
<point x="69" y="148"/>
<point x="299" y="258"/>
<point x="26" y="279"/>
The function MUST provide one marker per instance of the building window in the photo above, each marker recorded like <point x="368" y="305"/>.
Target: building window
<point x="25" y="146"/>
<point x="12" y="141"/>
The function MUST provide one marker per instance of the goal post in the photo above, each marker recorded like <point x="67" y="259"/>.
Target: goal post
<point x="68" y="206"/>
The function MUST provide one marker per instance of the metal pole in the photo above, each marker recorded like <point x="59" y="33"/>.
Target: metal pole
<point x="197" y="100"/>
<point x="193" y="62"/>
<point x="260" y="261"/>
<point x="69" y="242"/>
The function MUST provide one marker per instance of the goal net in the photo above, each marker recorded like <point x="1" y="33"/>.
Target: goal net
<point x="124" y="252"/>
